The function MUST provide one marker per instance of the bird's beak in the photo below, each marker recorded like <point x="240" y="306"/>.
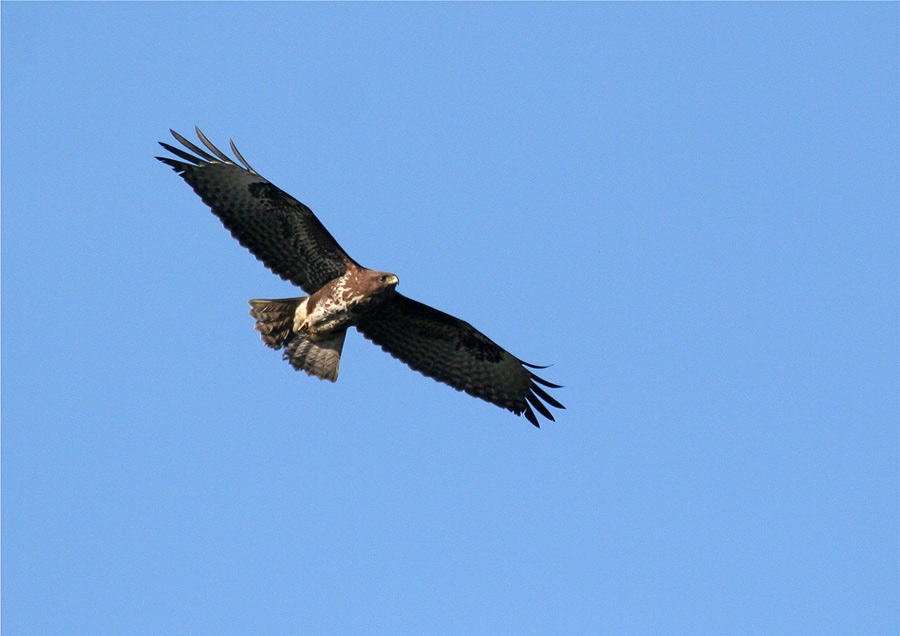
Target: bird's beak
<point x="393" y="280"/>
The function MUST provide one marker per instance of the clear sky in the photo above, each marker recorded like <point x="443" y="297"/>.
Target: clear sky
<point x="689" y="210"/>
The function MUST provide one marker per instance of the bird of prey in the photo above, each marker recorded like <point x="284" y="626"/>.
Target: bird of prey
<point x="288" y="238"/>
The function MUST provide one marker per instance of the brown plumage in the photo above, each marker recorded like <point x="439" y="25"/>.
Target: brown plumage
<point x="287" y="237"/>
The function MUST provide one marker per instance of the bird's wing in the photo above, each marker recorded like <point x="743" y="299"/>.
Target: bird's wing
<point x="279" y="230"/>
<point x="453" y="352"/>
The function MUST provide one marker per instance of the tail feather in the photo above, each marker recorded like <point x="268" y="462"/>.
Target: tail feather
<point x="321" y="358"/>
<point x="276" y="321"/>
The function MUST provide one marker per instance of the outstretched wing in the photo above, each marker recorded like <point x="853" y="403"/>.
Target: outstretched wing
<point x="279" y="230"/>
<point x="453" y="352"/>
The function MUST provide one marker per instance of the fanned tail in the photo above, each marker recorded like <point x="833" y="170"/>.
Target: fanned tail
<point x="321" y="358"/>
<point x="276" y="321"/>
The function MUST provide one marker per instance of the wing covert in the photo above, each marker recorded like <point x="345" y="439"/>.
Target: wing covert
<point x="279" y="230"/>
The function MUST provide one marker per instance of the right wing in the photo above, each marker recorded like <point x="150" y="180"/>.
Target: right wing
<point x="279" y="230"/>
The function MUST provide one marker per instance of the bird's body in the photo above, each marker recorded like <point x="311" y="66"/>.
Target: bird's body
<point x="340" y="302"/>
<point x="287" y="237"/>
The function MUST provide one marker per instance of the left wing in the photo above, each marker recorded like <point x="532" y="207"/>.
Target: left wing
<point x="452" y="351"/>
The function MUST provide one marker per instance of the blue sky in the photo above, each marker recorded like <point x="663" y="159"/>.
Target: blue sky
<point x="689" y="210"/>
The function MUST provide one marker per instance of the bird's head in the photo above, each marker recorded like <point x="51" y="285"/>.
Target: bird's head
<point x="385" y="280"/>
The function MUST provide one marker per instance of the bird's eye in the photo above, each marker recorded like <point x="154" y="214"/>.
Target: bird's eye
<point x="382" y="278"/>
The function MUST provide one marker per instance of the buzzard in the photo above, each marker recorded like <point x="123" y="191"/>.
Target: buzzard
<point x="288" y="238"/>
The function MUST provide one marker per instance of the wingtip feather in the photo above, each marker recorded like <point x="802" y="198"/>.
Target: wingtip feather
<point x="542" y="409"/>
<point x="530" y="416"/>
<point x="544" y="382"/>
<point x="549" y="399"/>
<point x="240" y="157"/>
<point x="192" y="147"/>
<point x="206" y="142"/>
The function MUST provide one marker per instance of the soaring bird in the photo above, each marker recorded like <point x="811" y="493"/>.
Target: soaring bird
<point x="288" y="238"/>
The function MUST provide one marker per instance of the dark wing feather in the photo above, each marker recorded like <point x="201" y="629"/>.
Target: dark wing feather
<point x="453" y="352"/>
<point x="279" y="230"/>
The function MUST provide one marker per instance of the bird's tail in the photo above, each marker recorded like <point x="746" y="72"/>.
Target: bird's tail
<point x="276" y="321"/>
<point x="321" y="357"/>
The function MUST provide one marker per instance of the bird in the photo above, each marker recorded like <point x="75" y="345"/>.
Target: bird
<point x="290" y="240"/>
